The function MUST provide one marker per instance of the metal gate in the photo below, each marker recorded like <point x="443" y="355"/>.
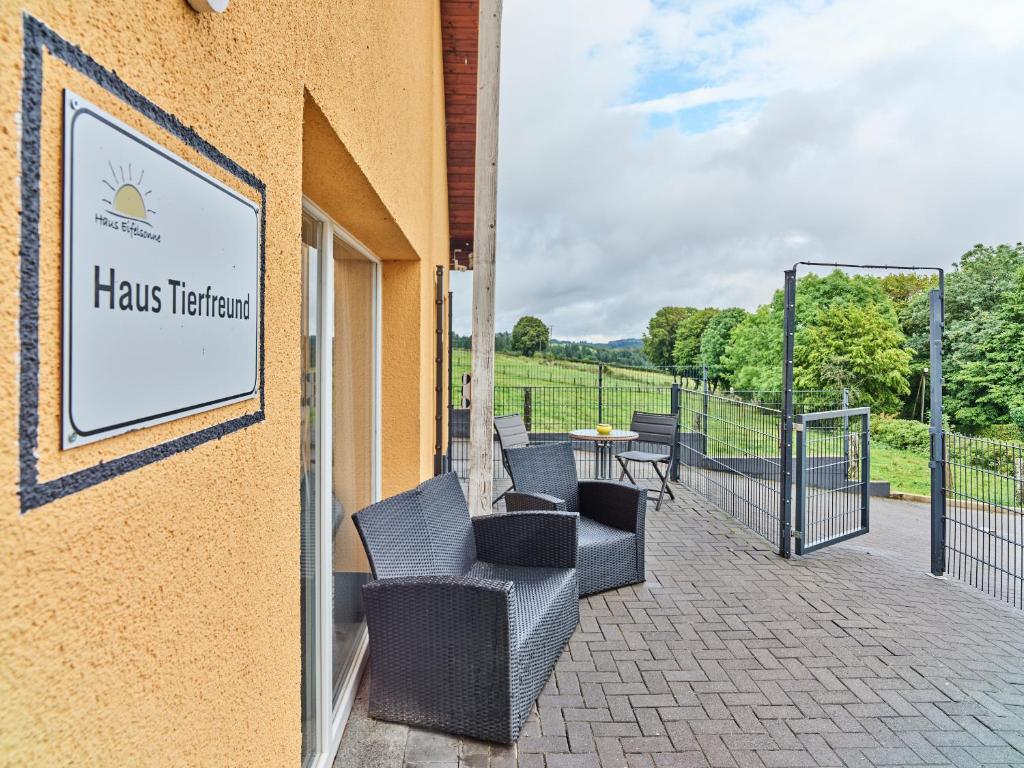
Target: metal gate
<point x="833" y="476"/>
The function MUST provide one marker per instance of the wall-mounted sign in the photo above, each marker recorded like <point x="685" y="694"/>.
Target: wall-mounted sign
<point x="161" y="282"/>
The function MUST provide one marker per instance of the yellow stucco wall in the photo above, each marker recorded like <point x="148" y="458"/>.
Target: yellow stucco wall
<point x="153" y="619"/>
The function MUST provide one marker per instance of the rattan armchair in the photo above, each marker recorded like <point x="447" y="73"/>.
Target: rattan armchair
<point x="611" y="525"/>
<point x="466" y="617"/>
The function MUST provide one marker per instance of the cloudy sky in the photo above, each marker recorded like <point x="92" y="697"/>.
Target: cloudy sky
<point x="685" y="153"/>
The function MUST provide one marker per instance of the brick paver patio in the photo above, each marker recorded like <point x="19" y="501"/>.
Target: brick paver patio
<point x="731" y="656"/>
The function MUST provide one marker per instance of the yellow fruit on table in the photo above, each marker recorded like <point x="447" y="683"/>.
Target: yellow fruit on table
<point x="604" y="429"/>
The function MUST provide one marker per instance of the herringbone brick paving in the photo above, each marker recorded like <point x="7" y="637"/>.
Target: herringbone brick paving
<point x="731" y="656"/>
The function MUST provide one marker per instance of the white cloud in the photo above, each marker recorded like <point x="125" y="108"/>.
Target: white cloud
<point x="658" y="154"/>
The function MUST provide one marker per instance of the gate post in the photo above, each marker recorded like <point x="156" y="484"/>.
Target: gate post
<point x="449" y="390"/>
<point x="786" y="422"/>
<point x="865" y="471"/>
<point x="673" y="471"/>
<point x="800" y="470"/>
<point x="846" y="435"/>
<point x="600" y="393"/>
<point x="938" y="494"/>
<point x="705" y="406"/>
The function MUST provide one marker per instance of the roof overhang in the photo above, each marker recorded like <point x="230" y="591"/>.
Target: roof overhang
<point x="460" y="23"/>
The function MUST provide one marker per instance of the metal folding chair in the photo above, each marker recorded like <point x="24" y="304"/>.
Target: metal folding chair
<point x="511" y="434"/>
<point x="653" y="429"/>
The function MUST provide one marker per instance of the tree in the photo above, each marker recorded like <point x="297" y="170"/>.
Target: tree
<point x="753" y="356"/>
<point x="529" y="335"/>
<point x="714" y="341"/>
<point x="1005" y="355"/>
<point x="979" y="332"/>
<point x="503" y="341"/>
<point x="752" y="360"/>
<point x="857" y="348"/>
<point x="686" y="348"/>
<point x="597" y="353"/>
<point x="816" y="292"/>
<point x="986" y="357"/>
<point x="660" y="339"/>
<point x="901" y="287"/>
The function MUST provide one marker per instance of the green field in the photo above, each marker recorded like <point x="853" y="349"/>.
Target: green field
<point x="516" y="371"/>
<point x="562" y="395"/>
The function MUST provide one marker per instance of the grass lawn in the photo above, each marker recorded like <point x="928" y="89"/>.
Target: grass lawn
<point x="517" y="371"/>
<point x="907" y="472"/>
<point x="563" y="394"/>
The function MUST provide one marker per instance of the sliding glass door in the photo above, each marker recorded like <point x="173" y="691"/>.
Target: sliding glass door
<point x="309" y="517"/>
<point x="353" y="471"/>
<point x="340" y="468"/>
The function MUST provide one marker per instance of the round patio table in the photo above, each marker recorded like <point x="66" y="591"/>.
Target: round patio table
<point x="603" y="446"/>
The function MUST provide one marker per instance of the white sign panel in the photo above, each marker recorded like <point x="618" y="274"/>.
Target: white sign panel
<point x="161" y="282"/>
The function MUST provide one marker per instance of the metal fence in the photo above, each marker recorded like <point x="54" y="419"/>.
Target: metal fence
<point x="729" y="454"/>
<point x="729" y="451"/>
<point x="983" y="515"/>
<point x="551" y="412"/>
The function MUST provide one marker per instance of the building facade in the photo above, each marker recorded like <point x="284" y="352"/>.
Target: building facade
<point x="180" y="585"/>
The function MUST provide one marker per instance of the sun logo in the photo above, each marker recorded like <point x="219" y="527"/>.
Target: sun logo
<point x="127" y="201"/>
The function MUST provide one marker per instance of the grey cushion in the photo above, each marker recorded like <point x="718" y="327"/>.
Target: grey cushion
<point x="607" y="557"/>
<point x="540" y="595"/>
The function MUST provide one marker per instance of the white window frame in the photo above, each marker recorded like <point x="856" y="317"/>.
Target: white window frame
<point x="331" y="727"/>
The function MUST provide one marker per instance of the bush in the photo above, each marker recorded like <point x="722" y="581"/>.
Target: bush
<point x="1007" y="433"/>
<point x="995" y="451"/>
<point x="904" y="434"/>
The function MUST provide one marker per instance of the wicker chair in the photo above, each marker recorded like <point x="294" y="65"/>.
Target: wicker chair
<point x="611" y="527"/>
<point x="654" y="429"/>
<point x="511" y="432"/>
<point x="466" y="617"/>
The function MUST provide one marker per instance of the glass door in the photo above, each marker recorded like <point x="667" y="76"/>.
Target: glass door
<point x="354" y="439"/>
<point x="309" y="527"/>
<point x="340" y="469"/>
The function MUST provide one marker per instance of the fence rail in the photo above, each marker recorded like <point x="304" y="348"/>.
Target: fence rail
<point x="983" y="515"/>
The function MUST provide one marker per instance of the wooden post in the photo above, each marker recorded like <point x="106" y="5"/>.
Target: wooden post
<point x="481" y="415"/>
<point x="528" y="408"/>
